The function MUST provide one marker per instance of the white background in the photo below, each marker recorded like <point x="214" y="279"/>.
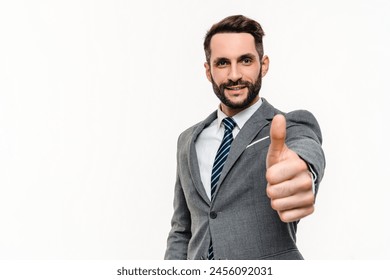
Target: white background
<point x="93" y="95"/>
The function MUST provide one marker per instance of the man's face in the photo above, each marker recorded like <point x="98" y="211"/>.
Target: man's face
<point x="235" y="70"/>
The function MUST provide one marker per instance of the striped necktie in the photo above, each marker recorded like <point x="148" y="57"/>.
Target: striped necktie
<point x="219" y="162"/>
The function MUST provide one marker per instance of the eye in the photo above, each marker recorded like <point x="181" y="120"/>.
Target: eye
<point x="222" y="63"/>
<point x="247" y="61"/>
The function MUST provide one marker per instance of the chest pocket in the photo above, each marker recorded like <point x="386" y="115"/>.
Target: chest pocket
<point x="257" y="145"/>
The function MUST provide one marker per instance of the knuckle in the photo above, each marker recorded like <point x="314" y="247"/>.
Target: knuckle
<point x="302" y="165"/>
<point x="269" y="191"/>
<point x="308" y="211"/>
<point x="285" y="217"/>
<point x="305" y="183"/>
<point x="270" y="176"/>
<point x="275" y="205"/>
<point x="309" y="199"/>
<point x="308" y="181"/>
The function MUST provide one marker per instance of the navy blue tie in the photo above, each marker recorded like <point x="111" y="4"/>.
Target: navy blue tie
<point x="219" y="162"/>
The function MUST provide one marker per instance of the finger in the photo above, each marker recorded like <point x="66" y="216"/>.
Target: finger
<point x="287" y="169"/>
<point x="277" y="137"/>
<point x="300" y="184"/>
<point x="295" y="214"/>
<point x="301" y="200"/>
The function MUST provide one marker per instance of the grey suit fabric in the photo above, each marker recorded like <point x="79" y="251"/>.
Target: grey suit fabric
<point x="240" y="219"/>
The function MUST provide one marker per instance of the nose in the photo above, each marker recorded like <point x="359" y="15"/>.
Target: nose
<point x="234" y="73"/>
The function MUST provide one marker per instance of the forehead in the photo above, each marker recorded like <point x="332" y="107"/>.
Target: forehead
<point x="232" y="45"/>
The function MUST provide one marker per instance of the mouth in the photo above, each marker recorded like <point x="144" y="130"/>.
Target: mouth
<point x="236" y="88"/>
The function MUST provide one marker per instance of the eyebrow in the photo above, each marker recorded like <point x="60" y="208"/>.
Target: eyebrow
<point x="241" y="57"/>
<point x="247" y="55"/>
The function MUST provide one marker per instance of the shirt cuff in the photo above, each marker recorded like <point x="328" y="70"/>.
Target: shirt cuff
<point x="313" y="178"/>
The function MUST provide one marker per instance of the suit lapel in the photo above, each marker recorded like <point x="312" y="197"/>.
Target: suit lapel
<point x="252" y="127"/>
<point x="193" y="158"/>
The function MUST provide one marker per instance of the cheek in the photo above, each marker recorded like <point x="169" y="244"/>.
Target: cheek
<point x="252" y="75"/>
<point x="219" y="76"/>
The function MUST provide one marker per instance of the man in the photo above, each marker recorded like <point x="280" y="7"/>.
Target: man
<point x="248" y="173"/>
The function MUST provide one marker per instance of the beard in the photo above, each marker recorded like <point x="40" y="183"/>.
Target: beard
<point x="253" y="92"/>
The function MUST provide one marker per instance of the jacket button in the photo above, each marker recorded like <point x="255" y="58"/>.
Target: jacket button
<point x="213" y="215"/>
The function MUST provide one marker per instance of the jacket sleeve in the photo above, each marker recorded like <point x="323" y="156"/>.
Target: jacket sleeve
<point x="305" y="138"/>
<point x="180" y="232"/>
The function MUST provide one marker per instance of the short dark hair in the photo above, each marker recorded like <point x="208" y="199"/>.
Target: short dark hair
<point x="235" y="24"/>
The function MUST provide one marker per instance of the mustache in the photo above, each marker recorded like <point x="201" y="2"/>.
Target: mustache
<point x="230" y="83"/>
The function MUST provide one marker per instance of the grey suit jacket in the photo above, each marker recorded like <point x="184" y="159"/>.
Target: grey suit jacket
<point x="240" y="219"/>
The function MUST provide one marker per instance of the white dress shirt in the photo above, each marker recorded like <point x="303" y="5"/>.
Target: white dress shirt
<point x="210" y="138"/>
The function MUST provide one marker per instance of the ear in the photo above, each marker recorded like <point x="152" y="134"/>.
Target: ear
<point x="208" y="71"/>
<point x="264" y="65"/>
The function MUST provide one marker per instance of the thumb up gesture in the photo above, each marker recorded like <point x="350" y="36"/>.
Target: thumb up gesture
<point x="289" y="180"/>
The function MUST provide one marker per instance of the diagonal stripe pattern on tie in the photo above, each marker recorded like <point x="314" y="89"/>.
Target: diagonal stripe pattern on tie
<point x="219" y="162"/>
<point x="222" y="154"/>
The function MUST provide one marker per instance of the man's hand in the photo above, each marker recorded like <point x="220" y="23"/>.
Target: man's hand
<point x="289" y="180"/>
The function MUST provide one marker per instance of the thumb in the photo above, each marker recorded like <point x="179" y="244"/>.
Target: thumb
<point x="277" y="137"/>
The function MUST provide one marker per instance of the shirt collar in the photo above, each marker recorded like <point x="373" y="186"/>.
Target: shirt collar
<point x="242" y="117"/>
